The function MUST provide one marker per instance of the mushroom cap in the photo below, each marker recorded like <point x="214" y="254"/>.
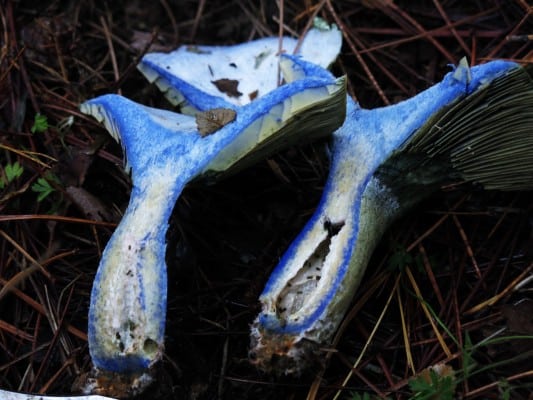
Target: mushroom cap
<point x="207" y="77"/>
<point x="309" y="105"/>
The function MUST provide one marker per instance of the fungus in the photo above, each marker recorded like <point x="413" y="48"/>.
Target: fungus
<point x="202" y="78"/>
<point x="474" y="126"/>
<point x="163" y="152"/>
<point x="7" y="395"/>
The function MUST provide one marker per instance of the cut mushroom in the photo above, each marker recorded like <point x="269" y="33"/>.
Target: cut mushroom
<point x="476" y="125"/>
<point x="164" y="151"/>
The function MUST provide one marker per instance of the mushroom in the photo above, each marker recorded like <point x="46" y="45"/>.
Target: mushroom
<point x="200" y="78"/>
<point x="475" y="126"/>
<point x="7" y="395"/>
<point x="164" y="151"/>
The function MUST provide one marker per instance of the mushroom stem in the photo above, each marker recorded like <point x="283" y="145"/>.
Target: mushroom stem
<point x="132" y="278"/>
<point x="381" y="167"/>
<point x="164" y="151"/>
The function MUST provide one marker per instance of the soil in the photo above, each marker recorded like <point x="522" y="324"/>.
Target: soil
<point x="460" y="248"/>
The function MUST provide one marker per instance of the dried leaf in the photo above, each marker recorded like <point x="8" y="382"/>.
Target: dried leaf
<point x="90" y="205"/>
<point x="518" y="316"/>
<point x="253" y="95"/>
<point x="228" y="86"/>
<point x="212" y="120"/>
<point x="74" y="165"/>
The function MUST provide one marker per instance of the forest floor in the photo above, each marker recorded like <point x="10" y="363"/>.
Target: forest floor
<point x="449" y="284"/>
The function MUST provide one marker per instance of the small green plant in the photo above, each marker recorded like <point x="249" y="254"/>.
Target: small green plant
<point x="40" y="123"/>
<point x="505" y="389"/>
<point x="433" y="385"/>
<point x="400" y="258"/>
<point x="11" y="172"/>
<point x="468" y="361"/>
<point x="43" y="187"/>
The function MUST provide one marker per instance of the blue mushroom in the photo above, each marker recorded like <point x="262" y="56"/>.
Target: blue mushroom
<point x="163" y="152"/>
<point x="200" y="78"/>
<point x="476" y="126"/>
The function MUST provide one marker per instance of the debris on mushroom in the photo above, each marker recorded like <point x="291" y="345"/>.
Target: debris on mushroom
<point x="206" y="77"/>
<point x="163" y="152"/>
<point x="474" y="126"/>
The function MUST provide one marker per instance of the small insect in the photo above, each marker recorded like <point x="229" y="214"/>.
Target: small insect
<point x="210" y="121"/>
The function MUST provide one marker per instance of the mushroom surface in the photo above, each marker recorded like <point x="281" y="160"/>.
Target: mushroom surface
<point x="163" y="152"/>
<point x="474" y="126"/>
<point x="7" y="395"/>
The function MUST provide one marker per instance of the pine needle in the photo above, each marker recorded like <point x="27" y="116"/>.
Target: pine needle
<point x="369" y="340"/>
<point x="405" y="333"/>
<point x="443" y="344"/>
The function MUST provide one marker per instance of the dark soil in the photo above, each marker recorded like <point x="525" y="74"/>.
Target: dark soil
<point x="462" y="247"/>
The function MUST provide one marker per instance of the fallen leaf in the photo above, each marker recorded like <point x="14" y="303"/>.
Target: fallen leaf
<point x="88" y="204"/>
<point x="519" y="316"/>
<point x="212" y="120"/>
<point x="253" y="95"/>
<point x="228" y="86"/>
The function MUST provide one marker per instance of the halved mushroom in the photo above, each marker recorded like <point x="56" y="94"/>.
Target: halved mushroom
<point x="476" y="126"/>
<point x="164" y="151"/>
